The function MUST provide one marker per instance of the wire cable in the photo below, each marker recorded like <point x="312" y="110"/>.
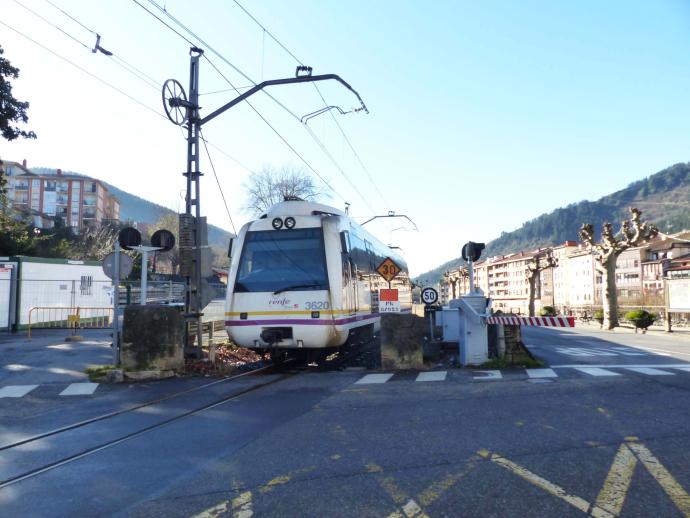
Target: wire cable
<point x="318" y="90"/>
<point x="52" y="25"/>
<point x="117" y="60"/>
<point x="94" y="76"/>
<point x="70" y="17"/>
<point x="222" y="194"/>
<point x="225" y="60"/>
<point x="296" y="153"/>
<point x="218" y="54"/>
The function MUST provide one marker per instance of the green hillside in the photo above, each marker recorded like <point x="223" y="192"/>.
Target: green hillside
<point x="134" y="208"/>
<point x="663" y="197"/>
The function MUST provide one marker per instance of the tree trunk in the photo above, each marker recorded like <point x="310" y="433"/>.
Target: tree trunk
<point x="609" y="297"/>
<point x="532" y="290"/>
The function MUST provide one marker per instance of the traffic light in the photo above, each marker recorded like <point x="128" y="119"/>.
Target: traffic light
<point x="472" y="251"/>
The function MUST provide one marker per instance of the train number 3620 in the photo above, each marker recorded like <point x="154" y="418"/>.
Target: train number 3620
<point x="317" y="305"/>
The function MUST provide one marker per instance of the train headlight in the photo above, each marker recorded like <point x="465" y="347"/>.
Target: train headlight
<point x="277" y="223"/>
<point x="290" y="222"/>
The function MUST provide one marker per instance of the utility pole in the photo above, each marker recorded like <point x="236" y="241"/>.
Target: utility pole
<point x="192" y="232"/>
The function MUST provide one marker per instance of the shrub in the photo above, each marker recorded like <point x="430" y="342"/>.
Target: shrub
<point x="547" y="311"/>
<point x="640" y="318"/>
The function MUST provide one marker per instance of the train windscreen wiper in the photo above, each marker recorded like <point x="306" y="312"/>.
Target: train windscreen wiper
<point x="294" y="287"/>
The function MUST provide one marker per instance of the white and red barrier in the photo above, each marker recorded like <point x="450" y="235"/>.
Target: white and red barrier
<point x="533" y="321"/>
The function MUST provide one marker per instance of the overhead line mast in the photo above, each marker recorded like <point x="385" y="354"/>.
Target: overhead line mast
<point x="181" y="110"/>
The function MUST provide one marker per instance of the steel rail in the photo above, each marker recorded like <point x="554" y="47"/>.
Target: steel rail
<point x="116" y="413"/>
<point x="114" y="442"/>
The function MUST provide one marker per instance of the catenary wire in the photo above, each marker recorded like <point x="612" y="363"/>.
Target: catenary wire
<point x="225" y="60"/>
<point x="70" y="17"/>
<point x="318" y="90"/>
<point x="52" y="24"/>
<point x="116" y="59"/>
<point x="302" y="159"/>
<point x="222" y="194"/>
<point x="218" y="54"/>
<point x="94" y="76"/>
<point x="130" y="98"/>
<point x="234" y="67"/>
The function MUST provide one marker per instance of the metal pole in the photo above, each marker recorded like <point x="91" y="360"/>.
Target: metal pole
<point x="192" y="200"/>
<point x="116" y="308"/>
<point x="144" y="277"/>
<point x="470" y="269"/>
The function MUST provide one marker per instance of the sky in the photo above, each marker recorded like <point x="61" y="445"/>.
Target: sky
<point x="483" y="115"/>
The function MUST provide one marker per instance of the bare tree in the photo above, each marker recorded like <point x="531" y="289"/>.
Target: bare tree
<point x="270" y="186"/>
<point x="632" y="233"/>
<point x="540" y="262"/>
<point x="93" y="243"/>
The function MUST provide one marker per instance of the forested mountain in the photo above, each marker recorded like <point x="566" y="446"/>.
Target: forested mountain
<point x="134" y="208"/>
<point x="663" y="197"/>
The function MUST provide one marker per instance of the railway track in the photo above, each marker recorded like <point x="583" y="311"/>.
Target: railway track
<point x="34" y="441"/>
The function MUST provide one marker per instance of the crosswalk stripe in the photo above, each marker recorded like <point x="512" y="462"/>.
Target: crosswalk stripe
<point x="80" y="389"/>
<point x="16" y="390"/>
<point x="432" y="376"/>
<point x="541" y="373"/>
<point x="374" y="378"/>
<point x="596" y="371"/>
<point x="650" y="371"/>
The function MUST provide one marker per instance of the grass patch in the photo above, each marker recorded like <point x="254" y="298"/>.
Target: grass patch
<point x="502" y="363"/>
<point x="98" y="372"/>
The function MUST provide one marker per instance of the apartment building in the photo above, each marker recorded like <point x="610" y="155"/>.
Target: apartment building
<point x="574" y="284"/>
<point x="78" y="200"/>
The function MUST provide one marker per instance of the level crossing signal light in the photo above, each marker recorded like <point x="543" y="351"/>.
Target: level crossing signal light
<point x="472" y="251"/>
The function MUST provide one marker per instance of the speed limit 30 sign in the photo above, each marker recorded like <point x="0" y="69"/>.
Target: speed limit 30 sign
<point x="429" y="296"/>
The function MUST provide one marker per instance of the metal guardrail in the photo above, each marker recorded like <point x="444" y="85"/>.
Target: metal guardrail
<point x="69" y="318"/>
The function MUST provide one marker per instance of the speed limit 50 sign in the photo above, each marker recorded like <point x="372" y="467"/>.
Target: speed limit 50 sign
<point x="429" y="296"/>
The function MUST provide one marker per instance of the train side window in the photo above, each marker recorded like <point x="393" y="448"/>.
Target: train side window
<point x="371" y="255"/>
<point x="345" y="242"/>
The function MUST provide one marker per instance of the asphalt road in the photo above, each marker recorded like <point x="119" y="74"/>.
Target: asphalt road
<point x="329" y="444"/>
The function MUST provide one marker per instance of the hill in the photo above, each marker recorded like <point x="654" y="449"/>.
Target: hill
<point x="664" y="199"/>
<point x="134" y="208"/>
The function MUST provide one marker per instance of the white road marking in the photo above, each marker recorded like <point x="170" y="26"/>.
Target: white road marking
<point x="488" y="375"/>
<point x="664" y="352"/>
<point x="541" y="373"/>
<point x="16" y="390"/>
<point x="650" y="371"/>
<point x="584" y="351"/>
<point x="432" y="376"/>
<point x="624" y="365"/>
<point x="629" y="352"/>
<point x="80" y="389"/>
<point x="374" y="378"/>
<point x="596" y="371"/>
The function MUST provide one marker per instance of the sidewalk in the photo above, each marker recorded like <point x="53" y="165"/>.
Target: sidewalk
<point x="47" y="358"/>
<point x="678" y="332"/>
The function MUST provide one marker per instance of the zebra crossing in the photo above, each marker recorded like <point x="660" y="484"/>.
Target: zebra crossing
<point x="537" y="374"/>
<point x="73" y="389"/>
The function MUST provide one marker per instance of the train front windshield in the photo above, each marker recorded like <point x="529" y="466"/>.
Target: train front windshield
<point x="282" y="260"/>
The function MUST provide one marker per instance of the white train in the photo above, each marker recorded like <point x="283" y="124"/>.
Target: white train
<point x="303" y="280"/>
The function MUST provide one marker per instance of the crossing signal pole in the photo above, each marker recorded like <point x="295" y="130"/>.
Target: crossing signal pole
<point x="193" y="235"/>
